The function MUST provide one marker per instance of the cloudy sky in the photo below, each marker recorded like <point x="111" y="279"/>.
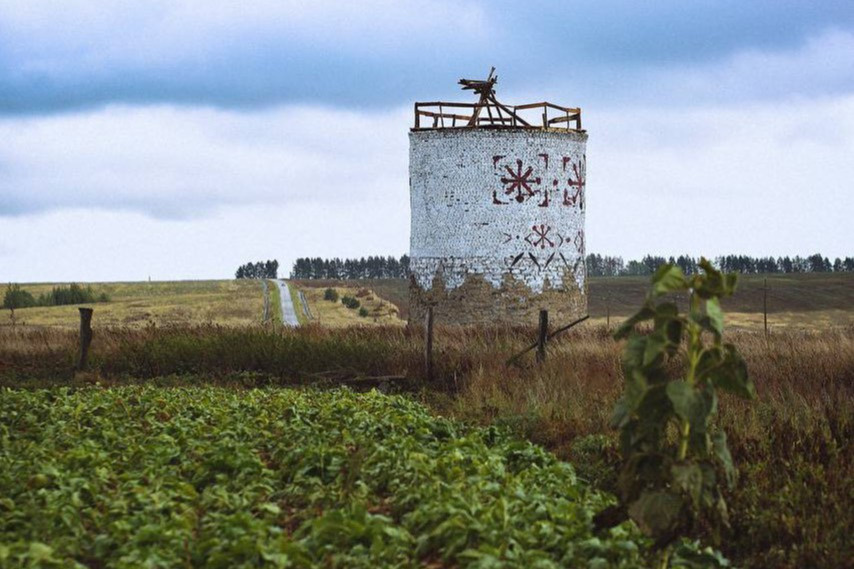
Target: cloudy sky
<point x="178" y="139"/>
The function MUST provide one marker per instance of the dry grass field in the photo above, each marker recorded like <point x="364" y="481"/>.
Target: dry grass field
<point x="798" y="301"/>
<point x="395" y="291"/>
<point x="809" y="301"/>
<point x="228" y="303"/>
<point x="794" y="301"/>
<point x="335" y="315"/>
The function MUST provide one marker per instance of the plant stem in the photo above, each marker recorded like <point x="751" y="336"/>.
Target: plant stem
<point x="693" y="359"/>
<point x="664" y="562"/>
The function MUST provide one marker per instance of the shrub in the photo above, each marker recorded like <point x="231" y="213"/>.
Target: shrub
<point x="331" y="295"/>
<point x="350" y="302"/>
<point x="16" y="297"/>
<point x="72" y="294"/>
<point x="363" y="312"/>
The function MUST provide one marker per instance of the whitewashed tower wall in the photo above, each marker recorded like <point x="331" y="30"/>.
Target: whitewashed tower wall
<point x="497" y="224"/>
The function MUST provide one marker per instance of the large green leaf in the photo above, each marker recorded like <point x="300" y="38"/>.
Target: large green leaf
<point x="657" y="512"/>
<point x="731" y="374"/>
<point x="668" y="278"/>
<point x="633" y="353"/>
<point x="641" y="471"/>
<point x="710" y="359"/>
<point x="691" y="556"/>
<point x="713" y="283"/>
<point x="656" y="346"/>
<point x="688" y="478"/>
<point x="694" y="406"/>
<point x="716" y="315"/>
<point x="647" y="312"/>
<point x="683" y="397"/>
<point x="721" y="449"/>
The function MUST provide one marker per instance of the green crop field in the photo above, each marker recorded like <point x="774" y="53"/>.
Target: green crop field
<point x="146" y="477"/>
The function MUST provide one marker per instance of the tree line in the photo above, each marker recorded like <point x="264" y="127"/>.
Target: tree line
<point x="597" y="265"/>
<point x="351" y="269"/>
<point x="17" y="297"/>
<point x="259" y="270"/>
<point x="608" y="266"/>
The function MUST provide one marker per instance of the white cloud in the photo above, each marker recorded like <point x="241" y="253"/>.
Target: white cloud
<point x="91" y="245"/>
<point x="133" y="33"/>
<point x="184" y="162"/>
<point x="760" y="179"/>
<point x="823" y="64"/>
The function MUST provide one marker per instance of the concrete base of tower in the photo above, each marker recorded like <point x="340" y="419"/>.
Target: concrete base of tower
<point x="477" y="302"/>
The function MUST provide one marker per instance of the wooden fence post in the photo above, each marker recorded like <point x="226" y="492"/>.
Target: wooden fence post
<point x="543" y="336"/>
<point x="85" y="336"/>
<point x="765" y="305"/>
<point x="608" y="312"/>
<point x="428" y="344"/>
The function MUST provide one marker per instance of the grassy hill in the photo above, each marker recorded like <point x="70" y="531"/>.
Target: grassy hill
<point x="806" y="300"/>
<point x="137" y="304"/>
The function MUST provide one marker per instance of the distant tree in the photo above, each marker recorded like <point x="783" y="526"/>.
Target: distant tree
<point x="72" y="294"/>
<point x="260" y="270"/>
<point x="652" y="263"/>
<point x="817" y="264"/>
<point x="687" y="264"/>
<point x="636" y="268"/>
<point x="16" y="297"/>
<point x="372" y="267"/>
<point x="378" y="267"/>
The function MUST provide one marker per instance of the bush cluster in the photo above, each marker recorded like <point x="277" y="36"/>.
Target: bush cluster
<point x="350" y="302"/>
<point x="331" y="295"/>
<point x="16" y="297"/>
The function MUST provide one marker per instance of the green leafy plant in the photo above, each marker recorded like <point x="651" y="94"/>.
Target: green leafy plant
<point x="674" y="459"/>
<point x="363" y="312"/>
<point x="188" y="477"/>
<point x="350" y="302"/>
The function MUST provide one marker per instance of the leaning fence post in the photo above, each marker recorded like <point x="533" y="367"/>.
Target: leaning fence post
<point x="85" y="336"/>
<point x="428" y="344"/>
<point x="543" y="336"/>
